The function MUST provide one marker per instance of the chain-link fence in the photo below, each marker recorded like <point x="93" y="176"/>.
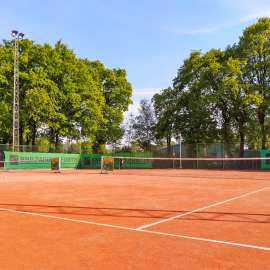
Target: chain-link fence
<point x="199" y="150"/>
<point x="211" y="150"/>
<point x="202" y="150"/>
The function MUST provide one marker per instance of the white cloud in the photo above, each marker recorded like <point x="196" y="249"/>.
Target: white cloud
<point x="248" y="10"/>
<point x="213" y="29"/>
<point x="248" y="5"/>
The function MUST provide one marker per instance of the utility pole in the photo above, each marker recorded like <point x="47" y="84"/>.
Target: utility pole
<point x="180" y="150"/>
<point x="15" y="137"/>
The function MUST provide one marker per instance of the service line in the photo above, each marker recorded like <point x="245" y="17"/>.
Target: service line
<point x="168" y="219"/>
<point x="136" y="230"/>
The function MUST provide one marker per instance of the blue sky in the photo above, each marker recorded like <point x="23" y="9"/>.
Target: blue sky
<point x="148" y="38"/>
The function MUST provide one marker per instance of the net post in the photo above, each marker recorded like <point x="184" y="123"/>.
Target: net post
<point x="101" y="170"/>
<point x="197" y="161"/>
<point x="4" y="165"/>
<point x="59" y="165"/>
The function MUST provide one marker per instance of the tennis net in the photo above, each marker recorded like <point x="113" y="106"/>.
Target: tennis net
<point x="111" y="163"/>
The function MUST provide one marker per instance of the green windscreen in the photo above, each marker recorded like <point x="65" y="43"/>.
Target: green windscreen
<point x="265" y="164"/>
<point x="94" y="160"/>
<point x="24" y="160"/>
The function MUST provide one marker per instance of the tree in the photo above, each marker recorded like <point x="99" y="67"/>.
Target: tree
<point x="254" y="48"/>
<point x="128" y="129"/>
<point x="164" y="108"/>
<point x="144" y="125"/>
<point x="116" y="94"/>
<point x="77" y="98"/>
<point x="217" y="103"/>
<point x="61" y="96"/>
<point x="57" y="94"/>
<point x="194" y="113"/>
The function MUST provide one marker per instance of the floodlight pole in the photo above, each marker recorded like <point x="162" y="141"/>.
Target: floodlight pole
<point x="15" y="137"/>
<point x="180" y="150"/>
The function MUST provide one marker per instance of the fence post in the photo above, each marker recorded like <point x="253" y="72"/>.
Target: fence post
<point x="223" y="156"/>
<point x="172" y="154"/>
<point x="197" y="162"/>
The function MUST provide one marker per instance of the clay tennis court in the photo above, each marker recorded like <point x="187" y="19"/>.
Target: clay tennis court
<point x="135" y="219"/>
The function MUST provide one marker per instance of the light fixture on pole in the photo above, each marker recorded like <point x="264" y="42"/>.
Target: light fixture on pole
<point x="180" y="150"/>
<point x="15" y="137"/>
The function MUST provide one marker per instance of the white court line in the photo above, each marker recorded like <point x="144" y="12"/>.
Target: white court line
<point x="168" y="219"/>
<point x="131" y="229"/>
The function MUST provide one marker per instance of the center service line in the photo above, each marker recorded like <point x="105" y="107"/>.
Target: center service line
<point x="168" y="219"/>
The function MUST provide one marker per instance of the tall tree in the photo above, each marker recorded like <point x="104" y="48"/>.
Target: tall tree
<point x="194" y="113"/>
<point x="254" y="48"/>
<point x="164" y="108"/>
<point x="61" y="96"/>
<point x="144" y="125"/>
<point x="212" y="85"/>
<point x="128" y="127"/>
<point x="116" y="94"/>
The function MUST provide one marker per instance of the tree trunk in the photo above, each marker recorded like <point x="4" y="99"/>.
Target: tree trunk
<point x="56" y="139"/>
<point x="34" y="135"/>
<point x="21" y="134"/>
<point x="27" y="139"/>
<point x="242" y="141"/>
<point x="96" y="149"/>
<point x="169" y="146"/>
<point x="240" y="118"/>
<point x="261" y="116"/>
<point x="226" y="127"/>
<point x="51" y="140"/>
<point x="51" y="136"/>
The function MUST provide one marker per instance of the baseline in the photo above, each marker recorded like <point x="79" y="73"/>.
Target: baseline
<point x="168" y="219"/>
<point x="146" y="231"/>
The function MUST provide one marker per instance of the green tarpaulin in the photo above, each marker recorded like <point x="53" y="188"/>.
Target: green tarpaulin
<point x="265" y="164"/>
<point x="94" y="160"/>
<point x="23" y="160"/>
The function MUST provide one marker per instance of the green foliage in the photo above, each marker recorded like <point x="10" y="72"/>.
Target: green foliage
<point x="254" y="48"/>
<point x="164" y="108"/>
<point x="144" y="125"/>
<point x="116" y="96"/>
<point x="195" y="114"/>
<point x="135" y="147"/>
<point x="220" y="95"/>
<point x="128" y="129"/>
<point x="61" y="96"/>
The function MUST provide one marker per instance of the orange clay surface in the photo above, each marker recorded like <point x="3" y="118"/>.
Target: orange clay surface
<point x="135" y="219"/>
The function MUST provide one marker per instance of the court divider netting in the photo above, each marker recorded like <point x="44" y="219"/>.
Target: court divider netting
<point x="109" y="163"/>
